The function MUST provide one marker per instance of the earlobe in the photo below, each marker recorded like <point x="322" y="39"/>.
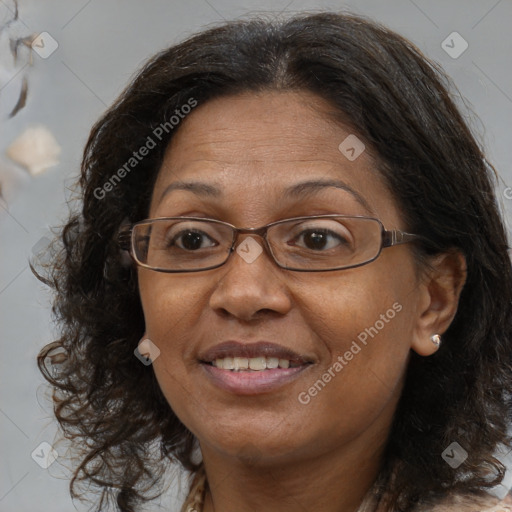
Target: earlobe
<point x="440" y="292"/>
<point x="426" y="345"/>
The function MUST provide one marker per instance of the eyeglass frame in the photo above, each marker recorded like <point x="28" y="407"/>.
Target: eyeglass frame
<point x="389" y="238"/>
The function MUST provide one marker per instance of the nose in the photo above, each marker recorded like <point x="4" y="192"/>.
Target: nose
<point x="251" y="284"/>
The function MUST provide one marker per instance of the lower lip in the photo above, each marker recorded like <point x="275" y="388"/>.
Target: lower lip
<point x="252" y="382"/>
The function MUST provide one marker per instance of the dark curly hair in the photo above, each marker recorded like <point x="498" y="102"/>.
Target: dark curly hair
<point x="395" y="100"/>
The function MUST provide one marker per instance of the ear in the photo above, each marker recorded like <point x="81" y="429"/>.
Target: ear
<point x="440" y="291"/>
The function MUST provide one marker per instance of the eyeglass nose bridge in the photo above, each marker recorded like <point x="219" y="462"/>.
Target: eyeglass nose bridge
<point x="261" y="232"/>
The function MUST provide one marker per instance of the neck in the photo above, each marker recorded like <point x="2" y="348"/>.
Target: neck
<point x="334" y="482"/>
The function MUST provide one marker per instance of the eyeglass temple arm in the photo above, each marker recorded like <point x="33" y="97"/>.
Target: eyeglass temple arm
<point x="124" y="238"/>
<point x="397" y="237"/>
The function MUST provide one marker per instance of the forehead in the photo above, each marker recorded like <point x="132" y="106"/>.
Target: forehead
<point x="254" y="146"/>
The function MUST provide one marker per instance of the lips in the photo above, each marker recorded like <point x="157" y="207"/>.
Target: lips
<point x="230" y="367"/>
<point x="266" y="349"/>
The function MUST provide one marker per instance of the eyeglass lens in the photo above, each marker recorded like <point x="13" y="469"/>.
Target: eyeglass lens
<point x="311" y="243"/>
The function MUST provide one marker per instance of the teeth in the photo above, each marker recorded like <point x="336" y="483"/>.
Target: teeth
<point x="258" y="363"/>
<point x="241" y="363"/>
<point x="253" y="363"/>
<point x="229" y="363"/>
<point x="272" y="362"/>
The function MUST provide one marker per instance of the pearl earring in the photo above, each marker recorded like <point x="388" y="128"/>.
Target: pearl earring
<point x="436" y="339"/>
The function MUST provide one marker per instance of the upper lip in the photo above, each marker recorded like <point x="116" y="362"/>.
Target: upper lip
<point x="234" y="348"/>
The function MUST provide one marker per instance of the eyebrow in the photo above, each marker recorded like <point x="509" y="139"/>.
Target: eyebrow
<point x="297" y="191"/>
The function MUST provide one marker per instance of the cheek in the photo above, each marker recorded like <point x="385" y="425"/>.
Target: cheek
<point x="172" y="308"/>
<point x="358" y="386"/>
<point x="170" y="303"/>
<point x="359" y="305"/>
<point x="363" y="321"/>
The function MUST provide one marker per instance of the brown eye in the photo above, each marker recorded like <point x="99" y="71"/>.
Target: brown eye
<point x="191" y="240"/>
<point x="320" y="239"/>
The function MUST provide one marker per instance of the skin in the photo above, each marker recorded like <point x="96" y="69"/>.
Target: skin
<point x="269" y="451"/>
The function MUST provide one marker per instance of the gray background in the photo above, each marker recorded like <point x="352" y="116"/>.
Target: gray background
<point x="101" y="44"/>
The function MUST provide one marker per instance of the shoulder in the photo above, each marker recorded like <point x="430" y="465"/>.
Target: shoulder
<point x="459" y="503"/>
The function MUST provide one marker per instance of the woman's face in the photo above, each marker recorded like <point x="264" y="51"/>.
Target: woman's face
<point x="354" y="327"/>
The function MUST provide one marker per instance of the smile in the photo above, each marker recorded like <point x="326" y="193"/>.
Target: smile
<point x="247" y="381"/>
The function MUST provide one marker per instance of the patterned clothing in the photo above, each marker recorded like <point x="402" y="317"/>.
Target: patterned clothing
<point x="196" y="497"/>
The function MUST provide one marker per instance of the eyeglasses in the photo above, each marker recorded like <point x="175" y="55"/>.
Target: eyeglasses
<point x="317" y="243"/>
